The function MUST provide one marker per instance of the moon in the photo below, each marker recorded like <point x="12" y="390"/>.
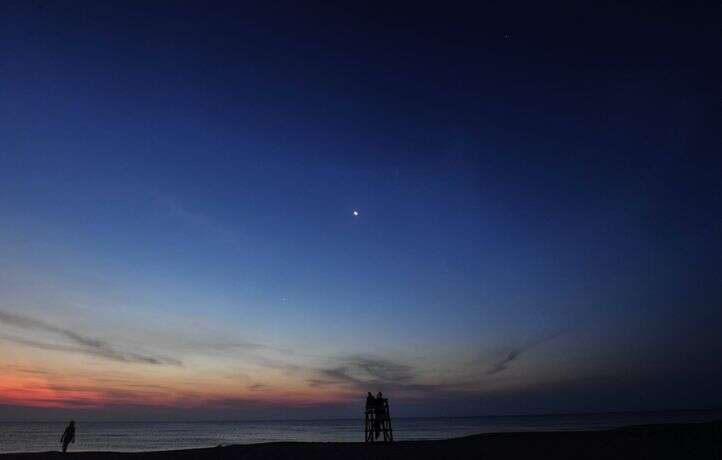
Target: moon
<point x="355" y="212"/>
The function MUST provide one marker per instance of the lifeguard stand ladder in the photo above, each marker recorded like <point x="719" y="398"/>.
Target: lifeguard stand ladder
<point x="380" y="415"/>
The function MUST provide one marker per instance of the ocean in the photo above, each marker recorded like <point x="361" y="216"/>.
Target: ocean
<point x="145" y="436"/>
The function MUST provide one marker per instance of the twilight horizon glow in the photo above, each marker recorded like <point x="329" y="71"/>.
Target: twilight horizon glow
<point x="534" y="220"/>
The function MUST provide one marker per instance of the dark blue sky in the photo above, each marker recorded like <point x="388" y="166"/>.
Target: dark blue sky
<point x="538" y="189"/>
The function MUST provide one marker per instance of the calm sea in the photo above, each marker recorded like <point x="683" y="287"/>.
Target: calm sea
<point x="139" y="436"/>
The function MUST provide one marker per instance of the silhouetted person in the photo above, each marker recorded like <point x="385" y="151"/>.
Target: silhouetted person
<point x="68" y="435"/>
<point x="379" y="412"/>
<point x="370" y="401"/>
<point x="380" y="400"/>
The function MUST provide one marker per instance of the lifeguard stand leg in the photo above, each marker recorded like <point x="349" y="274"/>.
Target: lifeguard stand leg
<point x="388" y="433"/>
<point x="369" y="427"/>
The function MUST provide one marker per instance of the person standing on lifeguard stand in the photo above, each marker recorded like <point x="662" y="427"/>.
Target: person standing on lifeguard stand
<point x="379" y="412"/>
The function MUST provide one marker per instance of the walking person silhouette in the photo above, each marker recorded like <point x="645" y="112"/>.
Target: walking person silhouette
<point x="68" y="435"/>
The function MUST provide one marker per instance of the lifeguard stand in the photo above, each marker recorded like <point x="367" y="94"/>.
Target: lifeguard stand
<point x="377" y="418"/>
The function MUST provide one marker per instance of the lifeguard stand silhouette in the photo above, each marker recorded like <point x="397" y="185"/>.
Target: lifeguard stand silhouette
<point x="377" y="419"/>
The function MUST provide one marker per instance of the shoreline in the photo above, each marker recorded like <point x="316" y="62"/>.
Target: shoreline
<point x="678" y="440"/>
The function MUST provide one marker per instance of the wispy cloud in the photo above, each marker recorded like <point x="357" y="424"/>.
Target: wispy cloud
<point x="358" y="372"/>
<point x="258" y="386"/>
<point x="197" y="219"/>
<point x="514" y="354"/>
<point x="233" y="346"/>
<point x="76" y="342"/>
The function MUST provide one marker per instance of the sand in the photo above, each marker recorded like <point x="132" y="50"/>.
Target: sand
<point x="674" y="441"/>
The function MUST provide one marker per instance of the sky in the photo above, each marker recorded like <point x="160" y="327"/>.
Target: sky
<point x="228" y="211"/>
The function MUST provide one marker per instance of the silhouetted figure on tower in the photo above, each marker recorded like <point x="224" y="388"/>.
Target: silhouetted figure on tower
<point x="380" y="400"/>
<point x="370" y="401"/>
<point x="377" y="418"/>
<point x="68" y="435"/>
<point x="379" y="413"/>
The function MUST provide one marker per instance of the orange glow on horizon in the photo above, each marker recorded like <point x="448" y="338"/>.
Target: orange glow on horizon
<point x="39" y="391"/>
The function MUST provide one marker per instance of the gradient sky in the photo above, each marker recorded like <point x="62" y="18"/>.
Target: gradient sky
<point x="539" y="198"/>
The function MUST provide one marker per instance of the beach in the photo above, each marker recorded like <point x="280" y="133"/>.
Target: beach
<point x="679" y="441"/>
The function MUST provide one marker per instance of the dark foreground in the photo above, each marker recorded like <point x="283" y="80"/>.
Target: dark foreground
<point x="678" y="441"/>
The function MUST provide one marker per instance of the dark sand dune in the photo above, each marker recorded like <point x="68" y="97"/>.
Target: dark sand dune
<point x="678" y="441"/>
